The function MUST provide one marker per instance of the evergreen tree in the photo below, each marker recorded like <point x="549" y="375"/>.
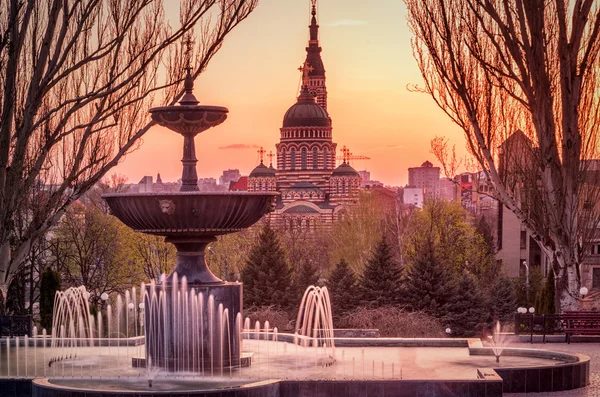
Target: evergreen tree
<point x="343" y="288"/>
<point x="307" y="275"/>
<point x="49" y="284"/>
<point x="502" y="299"/>
<point x="468" y="310"/>
<point x="548" y="305"/>
<point x="430" y="284"/>
<point x="381" y="282"/>
<point x="267" y="276"/>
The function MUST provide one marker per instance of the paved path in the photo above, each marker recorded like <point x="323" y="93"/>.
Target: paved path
<point x="590" y="349"/>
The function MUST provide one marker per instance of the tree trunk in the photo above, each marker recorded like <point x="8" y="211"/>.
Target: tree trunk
<point x="4" y="293"/>
<point x="567" y="287"/>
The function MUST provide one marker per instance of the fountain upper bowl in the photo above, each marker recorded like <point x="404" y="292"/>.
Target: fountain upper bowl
<point x="193" y="214"/>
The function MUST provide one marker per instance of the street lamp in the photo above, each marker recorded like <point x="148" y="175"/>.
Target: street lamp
<point x="526" y="280"/>
<point x="583" y="292"/>
<point x="531" y="310"/>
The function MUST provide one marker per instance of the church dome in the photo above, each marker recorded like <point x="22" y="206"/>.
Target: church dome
<point x="344" y="170"/>
<point x="262" y="171"/>
<point x="306" y="113"/>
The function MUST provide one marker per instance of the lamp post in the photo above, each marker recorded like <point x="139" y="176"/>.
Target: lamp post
<point x="104" y="298"/>
<point x="526" y="280"/>
<point x="583" y="291"/>
<point x="141" y="316"/>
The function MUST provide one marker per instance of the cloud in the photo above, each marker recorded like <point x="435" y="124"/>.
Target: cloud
<point x="384" y="148"/>
<point x="346" y="22"/>
<point x="239" y="146"/>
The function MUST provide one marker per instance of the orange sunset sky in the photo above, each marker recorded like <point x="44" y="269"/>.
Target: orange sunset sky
<point x="369" y="63"/>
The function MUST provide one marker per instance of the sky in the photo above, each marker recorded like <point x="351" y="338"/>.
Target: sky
<point x="369" y="65"/>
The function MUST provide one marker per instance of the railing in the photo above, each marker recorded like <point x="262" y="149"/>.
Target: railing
<point x="15" y="326"/>
<point x="538" y="324"/>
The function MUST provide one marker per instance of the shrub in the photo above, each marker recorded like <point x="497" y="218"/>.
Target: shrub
<point x="276" y="318"/>
<point x="393" y="322"/>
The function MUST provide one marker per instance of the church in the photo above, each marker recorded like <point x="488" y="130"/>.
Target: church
<point x="314" y="192"/>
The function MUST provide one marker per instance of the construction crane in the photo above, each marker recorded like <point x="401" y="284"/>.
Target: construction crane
<point x="347" y="156"/>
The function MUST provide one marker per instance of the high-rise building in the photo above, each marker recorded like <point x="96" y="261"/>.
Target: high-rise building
<point x="313" y="191"/>
<point x="426" y="177"/>
<point x="229" y="176"/>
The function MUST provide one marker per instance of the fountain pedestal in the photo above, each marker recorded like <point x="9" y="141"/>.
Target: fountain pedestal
<point x="196" y="328"/>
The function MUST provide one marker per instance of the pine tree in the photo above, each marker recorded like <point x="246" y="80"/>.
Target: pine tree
<point x="307" y="275"/>
<point x="343" y="288"/>
<point x="49" y="284"/>
<point x="468" y="311"/>
<point x="267" y="275"/>
<point x="502" y="299"/>
<point x="430" y="285"/>
<point x="381" y="282"/>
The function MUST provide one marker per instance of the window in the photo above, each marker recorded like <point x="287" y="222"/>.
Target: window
<point x="315" y="158"/>
<point x="304" y="158"/>
<point x="596" y="278"/>
<point x="293" y="158"/>
<point x="523" y="239"/>
<point x="325" y="158"/>
<point x="283" y="159"/>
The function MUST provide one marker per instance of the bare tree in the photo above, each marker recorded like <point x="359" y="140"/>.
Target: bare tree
<point x="500" y="66"/>
<point x="157" y="257"/>
<point x="78" y="77"/>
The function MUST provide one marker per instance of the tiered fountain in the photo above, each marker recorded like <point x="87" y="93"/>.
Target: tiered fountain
<point x="187" y="314"/>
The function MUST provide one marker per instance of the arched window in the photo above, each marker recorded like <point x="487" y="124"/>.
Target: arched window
<point x="303" y="158"/>
<point x="283" y="159"/>
<point x="344" y="187"/>
<point x="315" y="158"/>
<point x="325" y="158"/>
<point x="293" y="158"/>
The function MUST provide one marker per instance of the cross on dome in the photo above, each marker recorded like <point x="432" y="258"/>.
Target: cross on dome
<point x="270" y="156"/>
<point x="345" y="153"/>
<point x="261" y="153"/>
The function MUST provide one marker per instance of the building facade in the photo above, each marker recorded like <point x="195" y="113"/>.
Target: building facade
<point x="426" y="177"/>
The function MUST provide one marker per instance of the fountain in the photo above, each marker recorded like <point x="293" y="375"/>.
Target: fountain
<point x="194" y="328"/>
<point x="315" y="321"/>
<point x="187" y="312"/>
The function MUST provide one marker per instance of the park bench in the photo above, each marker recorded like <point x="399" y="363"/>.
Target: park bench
<point x="580" y="323"/>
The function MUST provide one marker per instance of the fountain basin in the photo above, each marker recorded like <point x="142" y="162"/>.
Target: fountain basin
<point x="193" y="214"/>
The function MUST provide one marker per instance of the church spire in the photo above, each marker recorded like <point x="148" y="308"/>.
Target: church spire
<point x="315" y="79"/>
<point x="314" y="27"/>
